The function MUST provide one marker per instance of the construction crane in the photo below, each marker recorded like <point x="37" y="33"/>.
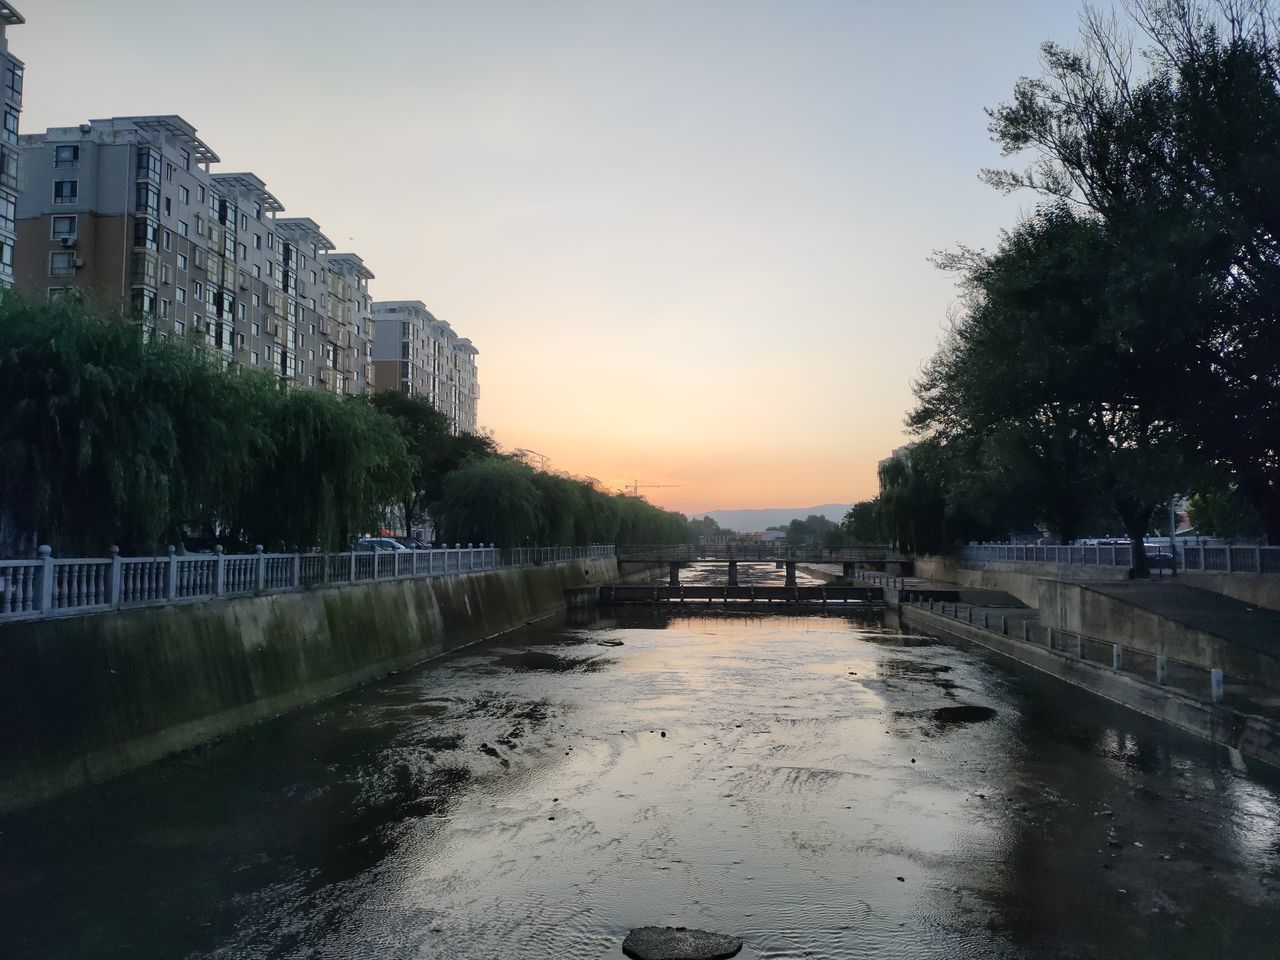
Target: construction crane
<point x="637" y="486"/>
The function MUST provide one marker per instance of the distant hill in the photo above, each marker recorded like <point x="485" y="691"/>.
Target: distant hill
<point x="749" y="521"/>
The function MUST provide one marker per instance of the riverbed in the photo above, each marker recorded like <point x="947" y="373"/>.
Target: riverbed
<point x="820" y="786"/>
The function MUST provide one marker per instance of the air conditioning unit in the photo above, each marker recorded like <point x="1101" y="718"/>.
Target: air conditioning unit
<point x="78" y="262"/>
<point x="68" y="243"/>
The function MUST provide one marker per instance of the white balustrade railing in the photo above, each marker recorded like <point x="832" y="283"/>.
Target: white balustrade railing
<point x="51" y="587"/>
<point x="1187" y="556"/>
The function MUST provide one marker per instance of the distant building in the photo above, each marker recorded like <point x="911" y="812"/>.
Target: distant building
<point x="10" y="154"/>
<point x="127" y="210"/>
<point x="419" y="354"/>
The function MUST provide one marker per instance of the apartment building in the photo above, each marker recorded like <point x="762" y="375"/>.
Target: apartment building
<point x="420" y="354"/>
<point x="10" y="154"/>
<point x="128" y="210"/>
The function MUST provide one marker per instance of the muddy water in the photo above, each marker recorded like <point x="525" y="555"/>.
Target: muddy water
<point x="820" y="786"/>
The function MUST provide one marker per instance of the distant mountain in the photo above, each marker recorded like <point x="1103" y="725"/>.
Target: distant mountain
<point x="750" y="521"/>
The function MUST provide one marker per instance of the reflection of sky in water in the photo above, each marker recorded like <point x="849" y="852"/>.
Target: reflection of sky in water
<point x="521" y="799"/>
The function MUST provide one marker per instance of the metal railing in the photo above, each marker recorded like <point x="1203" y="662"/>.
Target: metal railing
<point x="757" y="551"/>
<point x="1199" y="558"/>
<point x="53" y="587"/>
<point x="1198" y="679"/>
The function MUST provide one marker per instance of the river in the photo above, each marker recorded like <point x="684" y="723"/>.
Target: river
<point x="821" y="786"/>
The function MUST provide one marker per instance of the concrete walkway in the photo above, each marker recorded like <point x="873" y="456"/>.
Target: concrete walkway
<point x="1255" y="628"/>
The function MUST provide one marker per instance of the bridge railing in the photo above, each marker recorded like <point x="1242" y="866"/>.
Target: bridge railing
<point x="1200" y="558"/>
<point x="53" y="587"/>
<point x="763" y="552"/>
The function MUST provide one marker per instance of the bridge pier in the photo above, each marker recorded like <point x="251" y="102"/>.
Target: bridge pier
<point x="791" y="573"/>
<point x="675" y="573"/>
<point x="733" y="573"/>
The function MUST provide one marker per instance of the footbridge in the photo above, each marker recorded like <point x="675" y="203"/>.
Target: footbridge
<point x="882" y="558"/>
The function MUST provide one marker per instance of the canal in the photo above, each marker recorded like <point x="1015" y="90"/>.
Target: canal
<point x="821" y="786"/>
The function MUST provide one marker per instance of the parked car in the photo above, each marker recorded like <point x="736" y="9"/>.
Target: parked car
<point x="1161" y="561"/>
<point x="377" y="545"/>
<point x="412" y="543"/>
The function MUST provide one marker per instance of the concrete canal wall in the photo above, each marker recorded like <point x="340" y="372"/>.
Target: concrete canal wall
<point x="1021" y="580"/>
<point x="1254" y="736"/>
<point x="85" y="698"/>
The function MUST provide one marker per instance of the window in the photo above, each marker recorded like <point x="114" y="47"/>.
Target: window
<point x="148" y="164"/>
<point x="165" y="276"/>
<point x="244" y="222"/>
<point x="179" y="326"/>
<point x="182" y="261"/>
<point x="8" y="210"/>
<point x="255" y="328"/>
<point x="62" y="263"/>
<point x="257" y="270"/>
<point x="57" y="294"/>
<point x="63" y="227"/>
<point x="198" y="289"/>
<point x="6" y="253"/>
<point x="257" y="241"/>
<point x="66" y="191"/>
<point x="240" y="311"/>
<point x="168" y="240"/>
<point x="168" y="206"/>
<point x="200" y="195"/>
<point x="10" y="125"/>
<point x="181" y="294"/>
<point x="184" y="195"/>
<point x="168" y="171"/>
<point x="257" y="300"/>
<point x="144" y="301"/>
<point x="166" y="308"/>
<point x="244" y="251"/>
<point x="66" y="155"/>
<point x="186" y="159"/>
<point x="182" y="227"/>
<point x="146" y="234"/>
<point x="13" y="80"/>
<point x="146" y="198"/>
<point x="253" y="358"/>
<point x="271" y="241"/>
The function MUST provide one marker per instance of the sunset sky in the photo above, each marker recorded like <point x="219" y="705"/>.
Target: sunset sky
<point x="689" y="239"/>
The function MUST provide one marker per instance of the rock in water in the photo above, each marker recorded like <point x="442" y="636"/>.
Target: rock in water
<point x="678" y="943"/>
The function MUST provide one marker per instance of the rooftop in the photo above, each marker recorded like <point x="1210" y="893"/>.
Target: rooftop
<point x="252" y="184"/>
<point x="10" y="16"/>
<point x="352" y="262"/>
<point x="170" y="125"/>
<point x="306" y="229"/>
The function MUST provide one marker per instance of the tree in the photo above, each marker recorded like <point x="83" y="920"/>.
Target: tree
<point x="1181" y="168"/>
<point x="861" y="523"/>
<point x="1047" y="372"/>
<point x="705" y="527"/>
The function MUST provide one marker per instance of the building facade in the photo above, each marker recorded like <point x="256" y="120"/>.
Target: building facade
<point x="10" y="153"/>
<point x="127" y="210"/>
<point x="416" y="352"/>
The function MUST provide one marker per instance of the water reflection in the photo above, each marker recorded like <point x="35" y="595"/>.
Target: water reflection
<point x="821" y="785"/>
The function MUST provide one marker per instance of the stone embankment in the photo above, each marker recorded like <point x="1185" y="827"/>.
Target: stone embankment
<point x="85" y="698"/>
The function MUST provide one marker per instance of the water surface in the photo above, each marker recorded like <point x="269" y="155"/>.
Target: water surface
<point x="822" y="786"/>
